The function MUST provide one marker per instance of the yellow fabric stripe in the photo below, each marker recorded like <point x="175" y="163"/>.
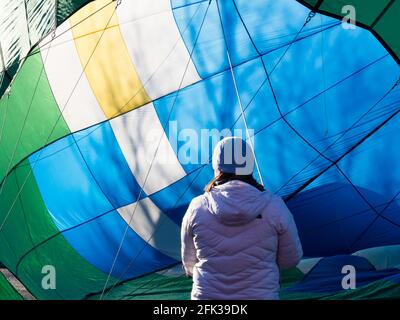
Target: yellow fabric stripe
<point x="110" y="71"/>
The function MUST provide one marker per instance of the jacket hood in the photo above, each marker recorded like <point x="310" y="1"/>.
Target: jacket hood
<point x="236" y="202"/>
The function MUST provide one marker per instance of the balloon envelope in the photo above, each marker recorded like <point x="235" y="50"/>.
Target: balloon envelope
<point x="95" y="134"/>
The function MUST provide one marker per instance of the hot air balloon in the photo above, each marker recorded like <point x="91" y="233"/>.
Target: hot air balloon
<point x="98" y="102"/>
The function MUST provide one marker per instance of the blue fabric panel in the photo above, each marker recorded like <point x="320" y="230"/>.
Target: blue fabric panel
<point x="382" y="231"/>
<point x="273" y="24"/>
<point x="182" y="3"/>
<point x="374" y="166"/>
<point x="332" y="217"/>
<point x="209" y="104"/>
<point x="209" y="55"/>
<point x="377" y="162"/>
<point x="282" y="154"/>
<point x="352" y="97"/>
<point x="327" y="275"/>
<point x="174" y="199"/>
<point x="212" y="104"/>
<point x="267" y="27"/>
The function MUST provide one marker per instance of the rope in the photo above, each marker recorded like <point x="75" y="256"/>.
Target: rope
<point x="324" y="79"/>
<point x="5" y="117"/>
<point x="311" y="15"/>
<point x="239" y="98"/>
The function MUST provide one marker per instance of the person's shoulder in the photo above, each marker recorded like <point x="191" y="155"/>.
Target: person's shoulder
<point x="277" y="200"/>
<point x="197" y="202"/>
<point x="272" y="199"/>
<point x="195" y="206"/>
<point x="275" y="204"/>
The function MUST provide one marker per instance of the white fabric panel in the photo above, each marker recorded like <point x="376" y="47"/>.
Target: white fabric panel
<point x="175" y="271"/>
<point x="41" y="18"/>
<point x="63" y="69"/>
<point x="381" y="258"/>
<point x="13" y="30"/>
<point x="306" y="265"/>
<point x="2" y="66"/>
<point x="156" y="46"/>
<point x="153" y="227"/>
<point x="138" y="133"/>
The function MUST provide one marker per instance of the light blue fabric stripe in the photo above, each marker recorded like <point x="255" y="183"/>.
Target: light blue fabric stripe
<point x="106" y="161"/>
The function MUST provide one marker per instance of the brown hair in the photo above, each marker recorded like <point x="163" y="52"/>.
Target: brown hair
<point x="213" y="182"/>
<point x="224" y="177"/>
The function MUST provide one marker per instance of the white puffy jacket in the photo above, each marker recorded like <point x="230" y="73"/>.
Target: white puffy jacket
<point x="234" y="240"/>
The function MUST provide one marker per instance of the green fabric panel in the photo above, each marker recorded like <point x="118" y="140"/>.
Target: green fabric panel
<point x="28" y="221"/>
<point x="28" y="225"/>
<point x="156" y="286"/>
<point x="67" y="7"/>
<point x="178" y="288"/>
<point x="7" y="292"/>
<point x="377" y="290"/>
<point x="389" y="27"/>
<point x="367" y="11"/>
<point x="38" y="107"/>
<point x="75" y="277"/>
<point x="290" y="277"/>
<point x="160" y="286"/>
<point x="381" y="289"/>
